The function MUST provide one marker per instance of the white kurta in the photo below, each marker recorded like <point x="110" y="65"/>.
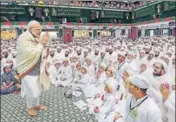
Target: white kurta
<point x="96" y="61"/>
<point x="55" y="75"/>
<point x="91" y="72"/>
<point x="104" y="104"/>
<point x="120" y="70"/>
<point x="66" y="76"/>
<point x="96" y="87"/>
<point x="147" y="111"/>
<point x="30" y="87"/>
<point x="59" y="56"/>
<point x="134" y="66"/>
<point x="170" y="105"/>
<point x="153" y="91"/>
<point x="106" y="59"/>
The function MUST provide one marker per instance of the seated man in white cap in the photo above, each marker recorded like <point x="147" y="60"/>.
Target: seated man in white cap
<point x="118" y="111"/>
<point x="9" y="83"/>
<point x="122" y="93"/>
<point x="150" y="59"/>
<point x="99" y="84"/>
<point x="80" y="56"/>
<point x="82" y="82"/>
<point x="67" y="53"/>
<point x="130" y="60"/>
<point x="140" y="107"/>
<point x="77" y="73"/>
<point x="160" y="77"/>
<point x="112" y="56"/>
<point x="51" y="57"/>
<point x="103" y="102"/>
<point x="90" y="68"/>
<point x="141" y="56"/>
<point x="10" y="61"/>
<point x="59" y="55"/>
<point x="4" y="58"/>
<point x="85" y="54"/>
<point x="157" y="53"/>
<point x="144" y="70"/>
<point x="100" y="76"/>
<point x="96" y="59"/>
<point x="66" y="75"/>
<point x="104" y="59"/>
<point x="121" y="67"/>
<point x="55" y="73"/>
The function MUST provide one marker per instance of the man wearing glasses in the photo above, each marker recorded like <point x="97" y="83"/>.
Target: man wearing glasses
<point x="160" y="78"/>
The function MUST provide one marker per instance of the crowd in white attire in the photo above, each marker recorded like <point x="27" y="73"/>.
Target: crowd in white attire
<point x="122" y="80"/>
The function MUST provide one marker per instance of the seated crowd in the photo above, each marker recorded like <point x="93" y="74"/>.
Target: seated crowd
<point x="120" y="79"/>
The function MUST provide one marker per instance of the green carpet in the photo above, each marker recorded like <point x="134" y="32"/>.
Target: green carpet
<point x="60" y="109"/>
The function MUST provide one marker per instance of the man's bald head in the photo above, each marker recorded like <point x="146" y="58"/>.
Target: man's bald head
<point x="35" y="28"/>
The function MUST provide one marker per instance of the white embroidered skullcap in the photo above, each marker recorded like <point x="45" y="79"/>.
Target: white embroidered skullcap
<point x="160" y="61"/>
<point x="130" y="72"/>
<point x="151" y="52"/>
<point x="58" y="47"/>
<point x="103" y="65"/>
<point x="85" y="67"/>
<point x="139" y="81"/>
<point x="142" y="51"/>
<point x="6" y="65"/>
<point x="169" y="51"/>
<point x="57" y="62"/>
<point x="148" y="47"/>
<point x="85" y="50"/>
<point x="111" y="86"/>
<point x="112" y="69"/>
<point x="65" y="59"/>
<point x="130" y="53"/>
<point x="89" y="58"/>
<point x="157" y="49"/>
<point x="122" y="53"/>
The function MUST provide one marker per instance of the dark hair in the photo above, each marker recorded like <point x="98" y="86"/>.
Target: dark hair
<point x="143" y="90"/>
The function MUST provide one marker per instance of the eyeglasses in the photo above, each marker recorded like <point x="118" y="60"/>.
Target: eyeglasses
<point x="157" y="67"/>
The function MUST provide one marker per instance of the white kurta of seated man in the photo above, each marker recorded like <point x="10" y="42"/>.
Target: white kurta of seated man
<point x="81" y="83"/>
<point x="97" y="86"/>
<point x="66" y="73"/>
<point x="55" y="75"/>
<point x="147" y="111"/>
<point x="105" y="105"/>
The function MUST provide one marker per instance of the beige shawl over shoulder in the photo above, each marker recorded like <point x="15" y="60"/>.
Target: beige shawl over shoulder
<point x="28" y="53"/>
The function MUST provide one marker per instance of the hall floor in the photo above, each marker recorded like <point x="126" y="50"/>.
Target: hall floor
<point x="60" y="109"/>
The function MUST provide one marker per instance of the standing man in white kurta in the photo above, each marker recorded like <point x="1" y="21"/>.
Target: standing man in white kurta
<point x="31" y="66"/>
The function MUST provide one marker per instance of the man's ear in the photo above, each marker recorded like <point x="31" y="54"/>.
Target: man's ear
<point x="162" y="71"/>
<point x="138" y="89"/>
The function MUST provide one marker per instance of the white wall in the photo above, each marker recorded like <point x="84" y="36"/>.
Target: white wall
<point x="151" y="33"/>
<point x="117" y="33"/>
<point x="126" y="32"/>
<point x="53" y="34"/>
<point x="142" y="32"/>
<point x="165" y="31"/>
<point x="154" y="25"/>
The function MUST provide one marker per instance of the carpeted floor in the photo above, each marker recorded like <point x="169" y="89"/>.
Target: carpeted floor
<point x="60" y="109"/>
